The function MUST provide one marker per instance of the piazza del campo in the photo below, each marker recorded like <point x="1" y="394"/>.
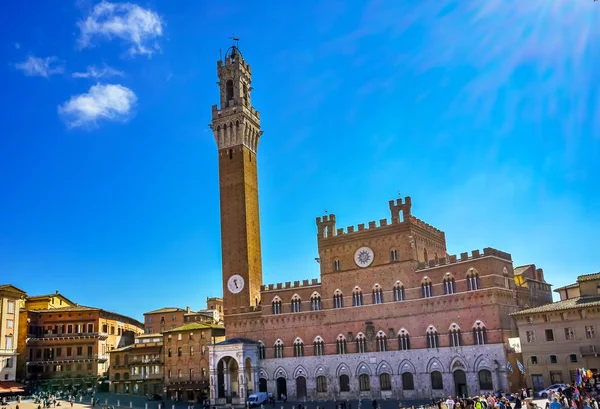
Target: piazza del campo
<point x="393" y="315"/>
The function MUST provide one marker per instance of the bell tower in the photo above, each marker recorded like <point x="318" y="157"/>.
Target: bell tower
<point x="236" y="128"/>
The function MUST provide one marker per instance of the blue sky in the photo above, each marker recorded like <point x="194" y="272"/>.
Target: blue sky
<point x="486" y="113"/>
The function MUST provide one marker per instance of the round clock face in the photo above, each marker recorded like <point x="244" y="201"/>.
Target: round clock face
<point x="364" y="257"/>
<point x="235" y="284"/>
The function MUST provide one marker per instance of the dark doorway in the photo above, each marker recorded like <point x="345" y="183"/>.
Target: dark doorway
<point x="300" y="387"/>
<point x="221" y="379"/>
<point x="460" y="383"/>
<point x="281" y="387"/>
<point x="262" y="385"/>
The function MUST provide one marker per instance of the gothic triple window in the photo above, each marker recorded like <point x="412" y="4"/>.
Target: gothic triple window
<point x="338" y="299"/>
<point x="298" y="348"/>
<point x="479" y="333"/>
<point x="261" y="350"/>
<point x="318" y="346"/>
<point x="315" y="302"/>
<point x="449" y="284"/>
<point x="403" y="340"/>
<point x="455" y="335"/>
<point x="340" y="345"/>
<point x="427" y="287"/>
<point x="381" y="340"/>
<point x="398" y="291"/>
<point x="276" y="305"/>
<point x="279" y="349"/>
<point x="473" y="280"/>
<point x="357" y="297"/>
<point x="361" y="343"/>
<point x="296" y="303"/>
<point x="433" y="340"/>
<point x="377" y="294"/>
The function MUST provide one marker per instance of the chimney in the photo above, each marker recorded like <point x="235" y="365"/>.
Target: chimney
<point x="187" y="309"/>
<point x="56" y="291"/>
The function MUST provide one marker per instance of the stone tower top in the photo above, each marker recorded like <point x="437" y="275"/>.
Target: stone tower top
<point x="235" y="122"/>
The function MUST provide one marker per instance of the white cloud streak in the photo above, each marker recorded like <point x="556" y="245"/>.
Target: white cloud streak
<point x="102" y="102"/>
<point x="134" y="25"/>
<point x="40" y="67"/>
<point x="98" y="72"/>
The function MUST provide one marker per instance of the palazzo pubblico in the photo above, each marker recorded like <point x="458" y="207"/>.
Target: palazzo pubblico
<point x="392" y="315"/>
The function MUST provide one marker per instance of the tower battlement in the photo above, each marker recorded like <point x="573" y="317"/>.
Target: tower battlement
<point x="475" y="254"/>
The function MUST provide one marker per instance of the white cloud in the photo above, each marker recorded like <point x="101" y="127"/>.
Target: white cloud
<point x="131" y="23"/>
<point x="42" y="67"/>
<point x="98" y="72"/>
<point x="101" y="102"/>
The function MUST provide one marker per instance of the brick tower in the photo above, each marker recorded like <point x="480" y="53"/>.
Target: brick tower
<point x="236" y="127"/>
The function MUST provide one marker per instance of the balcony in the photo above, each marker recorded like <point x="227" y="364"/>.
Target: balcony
<point x="66" y="360"/>
<point x="66" y="336"/>
<point x="590" y="350"/>
<point x="9" y="352"/>
<point x="145" y="361"/>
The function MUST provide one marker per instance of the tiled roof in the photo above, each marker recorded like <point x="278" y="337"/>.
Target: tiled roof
<point x="234" y="341"/>
<point x="566" y="286"/>
<point x="155" y="335"/>
<point x="571" y="303"/>
<point x="195" y="325"/>
<point x="80" y="308"/>
<point x="589" y="277"/>
<point x="520" y="269"/>
<point x="165" y="310"/>
<point x="125" y="348"/>
<point x="10" y="287"/>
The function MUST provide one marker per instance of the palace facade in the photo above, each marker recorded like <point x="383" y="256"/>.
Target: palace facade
<point x="393" y="314"/>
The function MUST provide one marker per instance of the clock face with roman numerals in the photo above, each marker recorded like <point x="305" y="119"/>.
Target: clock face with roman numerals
<point x="235" y="284"/>
<point x="363" y="257"/>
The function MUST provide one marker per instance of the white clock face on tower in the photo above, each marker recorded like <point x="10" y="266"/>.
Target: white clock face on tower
<point x="363" y="257"/>
<point x="235" y="284"/>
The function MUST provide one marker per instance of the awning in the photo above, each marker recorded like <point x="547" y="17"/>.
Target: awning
<point x="11" y="387"/>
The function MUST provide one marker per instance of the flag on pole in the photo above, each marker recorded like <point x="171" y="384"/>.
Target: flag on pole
<point x="509" y="366"/>
<point x="521" y="367"/>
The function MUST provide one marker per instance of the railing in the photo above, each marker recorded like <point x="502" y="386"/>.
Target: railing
<point x="8" y="351"/>
<point x="67" y="359"/>
<point x="590" y="350"/>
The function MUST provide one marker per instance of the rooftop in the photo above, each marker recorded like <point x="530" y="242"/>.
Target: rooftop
<point x="589" y="277"/>
<point x="566" y="287"/>
<point x="519" y="270"/>
<point x="190" y="326"/>
<point x="80" y="308"/>
<point x="10" y="287"/>
<point x="125" y="348"/>
<point x="569" y="304"/>
<point x="234" y="341"/>
<point x="165" y="310"/>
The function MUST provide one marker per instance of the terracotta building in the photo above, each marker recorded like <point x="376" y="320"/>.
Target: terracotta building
<point x="10" y="304"/>
<point x="532" y="289"/>
<point x="558" y="338"/>
<point x="68" y="346"/>
<point x="138" y="368"/>
<point x="186" y="363"/>
<point x="392" y="315"/>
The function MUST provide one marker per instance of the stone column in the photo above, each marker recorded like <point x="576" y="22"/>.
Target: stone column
<point x="242" y="382"/>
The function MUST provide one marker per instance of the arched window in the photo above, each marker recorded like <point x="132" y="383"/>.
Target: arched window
<point x="336" y="265"/>
<point x="381" y="340"/>
<point x="126" y="375"/>
<point x="357" y="297"/>
<point x="321" y="384"/>
<point x="403" y="340"/>
<point x="118" y="360"/>
<point x="398" y="291"/>
<point x="449" y="284"/>
<point x="408" y="383"/>
<point x="315" y="302"/>
<point x="361" y="343"/>
<point x="261" y="350"/>
<point x="385" y="382"/>
<point x="364" y="382"/>
<point x="427" y="287"/>
<point x="437" y="382"/>
<point x="276" y="305"/>
<point x="377" y="296"/>
<point x="279" y="349"/>
<point x="338" y="299"/>
<point x="298" y="348"/>
<point x="479" y="333"/>
<point x="432" y="338"/>
<point x="296" y="303"/>
<point x="340" y="345"/>
<point x="344" y="383"/>
<point x="473" y="280"/>
<point x="394" y="255"/>
<point x="455" y="335"/>
<point x="228" y="91"/>
<point x="485" y="380"/>
<point x="318" y="346"/>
